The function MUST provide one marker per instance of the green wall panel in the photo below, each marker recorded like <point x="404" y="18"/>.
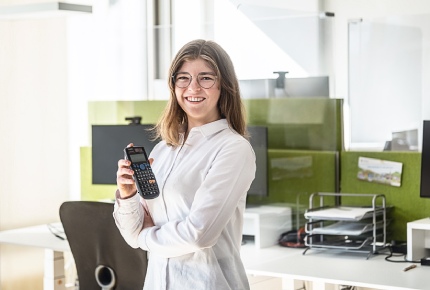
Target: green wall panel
<point x="299" y="172"/>
<point x="298" y="123"/>
<point x="91" y="191"/>
<point x="408" y="205"/>
<point x="294" y="175"/>
<point x="111" y="112"/>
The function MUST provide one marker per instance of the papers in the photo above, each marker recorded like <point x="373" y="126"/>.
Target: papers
<point x="346" y="228"/>
<point x="339" y="213"/>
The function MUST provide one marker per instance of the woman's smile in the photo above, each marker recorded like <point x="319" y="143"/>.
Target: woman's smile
<point x="195" y="99"/>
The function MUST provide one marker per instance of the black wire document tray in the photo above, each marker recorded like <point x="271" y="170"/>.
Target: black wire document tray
<point x="342" y="213"/>
<point x="343" y="242"/>
<point x="355" y="228"/>
<point x="346" y="227"/>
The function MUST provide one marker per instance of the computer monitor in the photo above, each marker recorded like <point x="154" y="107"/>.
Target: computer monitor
<point x="425" y="161"/>
<point x="259" y="141"/>
<point x="108" y="143"/>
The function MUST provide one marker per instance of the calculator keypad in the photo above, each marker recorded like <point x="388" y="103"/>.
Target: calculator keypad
<point x="145" y="178"/>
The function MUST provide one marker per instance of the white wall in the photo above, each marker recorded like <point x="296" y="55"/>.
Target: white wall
<point x="34" y="143"/>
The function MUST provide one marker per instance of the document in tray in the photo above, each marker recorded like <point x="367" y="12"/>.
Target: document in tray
<point x="338" y="213"/>
<point x="343" y="228"/>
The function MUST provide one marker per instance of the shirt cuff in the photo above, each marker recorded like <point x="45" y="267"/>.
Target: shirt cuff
<point x="128" y="204"/>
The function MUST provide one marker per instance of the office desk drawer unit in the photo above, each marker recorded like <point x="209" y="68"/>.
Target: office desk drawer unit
<point x="266" y="223"/>
<point x="347" y="228"/>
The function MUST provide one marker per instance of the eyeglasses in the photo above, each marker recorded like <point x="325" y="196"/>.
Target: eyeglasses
<point x="204" y="79"/>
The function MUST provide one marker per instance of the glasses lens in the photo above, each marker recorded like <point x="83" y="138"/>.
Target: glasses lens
<point x="182" y="80"/>
<point x="206" y="81"/>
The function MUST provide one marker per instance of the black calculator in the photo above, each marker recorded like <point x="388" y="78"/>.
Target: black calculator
<point x="143" y="176"/>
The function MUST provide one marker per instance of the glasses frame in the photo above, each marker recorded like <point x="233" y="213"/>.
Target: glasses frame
<point x="191" y="79"/>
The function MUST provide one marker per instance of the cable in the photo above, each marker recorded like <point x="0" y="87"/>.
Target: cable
<point x="346" y="287"/>
<point x="387" y="258"/>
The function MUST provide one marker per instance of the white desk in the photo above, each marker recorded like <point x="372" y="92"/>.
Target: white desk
<point x="325" y="268"/>
<point x="40" y="236"/>
<point x="322" y="268"/>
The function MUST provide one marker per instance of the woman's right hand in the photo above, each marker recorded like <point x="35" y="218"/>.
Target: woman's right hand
<point x="124" y="178"/>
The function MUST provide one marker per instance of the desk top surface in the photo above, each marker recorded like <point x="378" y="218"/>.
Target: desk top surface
<point x="343" y="268"/>
<point x="335" y="267"/>
<point x="37" y="236"/>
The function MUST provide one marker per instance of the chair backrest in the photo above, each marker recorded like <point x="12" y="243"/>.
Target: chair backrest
<point x="95" y="240"/>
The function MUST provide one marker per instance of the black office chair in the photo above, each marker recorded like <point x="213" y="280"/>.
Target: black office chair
<point x="103" y="259"/>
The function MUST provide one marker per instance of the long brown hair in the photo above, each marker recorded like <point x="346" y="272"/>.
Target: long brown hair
<point x="230" y="104"/>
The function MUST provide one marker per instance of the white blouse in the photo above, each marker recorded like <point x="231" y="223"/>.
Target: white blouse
<point x="195" y="243"/>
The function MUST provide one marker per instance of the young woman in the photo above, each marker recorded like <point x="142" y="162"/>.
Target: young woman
<point x="204" y="166"/>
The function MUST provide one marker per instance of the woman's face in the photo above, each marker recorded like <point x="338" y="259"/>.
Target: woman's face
<point x="199" y="101"/>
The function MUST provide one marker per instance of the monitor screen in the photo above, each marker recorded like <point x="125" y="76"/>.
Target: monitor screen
<point x="108" y="143"/>
<point x="258" y="140"/>
<point x="425" y="161"/>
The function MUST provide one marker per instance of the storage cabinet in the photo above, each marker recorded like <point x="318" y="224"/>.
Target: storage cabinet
<point x="348" y="228"/>
<point x="418" y="235"/>
<point x="266" y="223"/>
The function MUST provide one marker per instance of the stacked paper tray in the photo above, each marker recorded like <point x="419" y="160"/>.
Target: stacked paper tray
<point x="347" y="228"/>
<point x="342" y="213"/>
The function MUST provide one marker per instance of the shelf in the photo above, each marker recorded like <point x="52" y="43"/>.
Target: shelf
<point x="347" y="228"/>
<point x="266" y="223"/>
<point x="418" y="239"/>
<point x="343" y="213"/>
<point x="342" y="243"/>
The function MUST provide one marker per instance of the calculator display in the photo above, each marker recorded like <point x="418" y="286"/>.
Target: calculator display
<point x="139" y="157"/>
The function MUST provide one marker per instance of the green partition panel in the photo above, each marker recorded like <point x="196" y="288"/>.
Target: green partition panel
<point x="299" y="123"/>
<point x="90" y="191"/>
<point x="298" y="172"/>
<point x="293" y="175"/>
<point x="115" y="112"/>
<point x="408" y="205"/>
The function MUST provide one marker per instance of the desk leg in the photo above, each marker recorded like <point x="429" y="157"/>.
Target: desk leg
<point x="321" y="285"/>
<point x="54" y="278"/>
<point x="287" y="283"/>
<point x="318" y="285"/>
